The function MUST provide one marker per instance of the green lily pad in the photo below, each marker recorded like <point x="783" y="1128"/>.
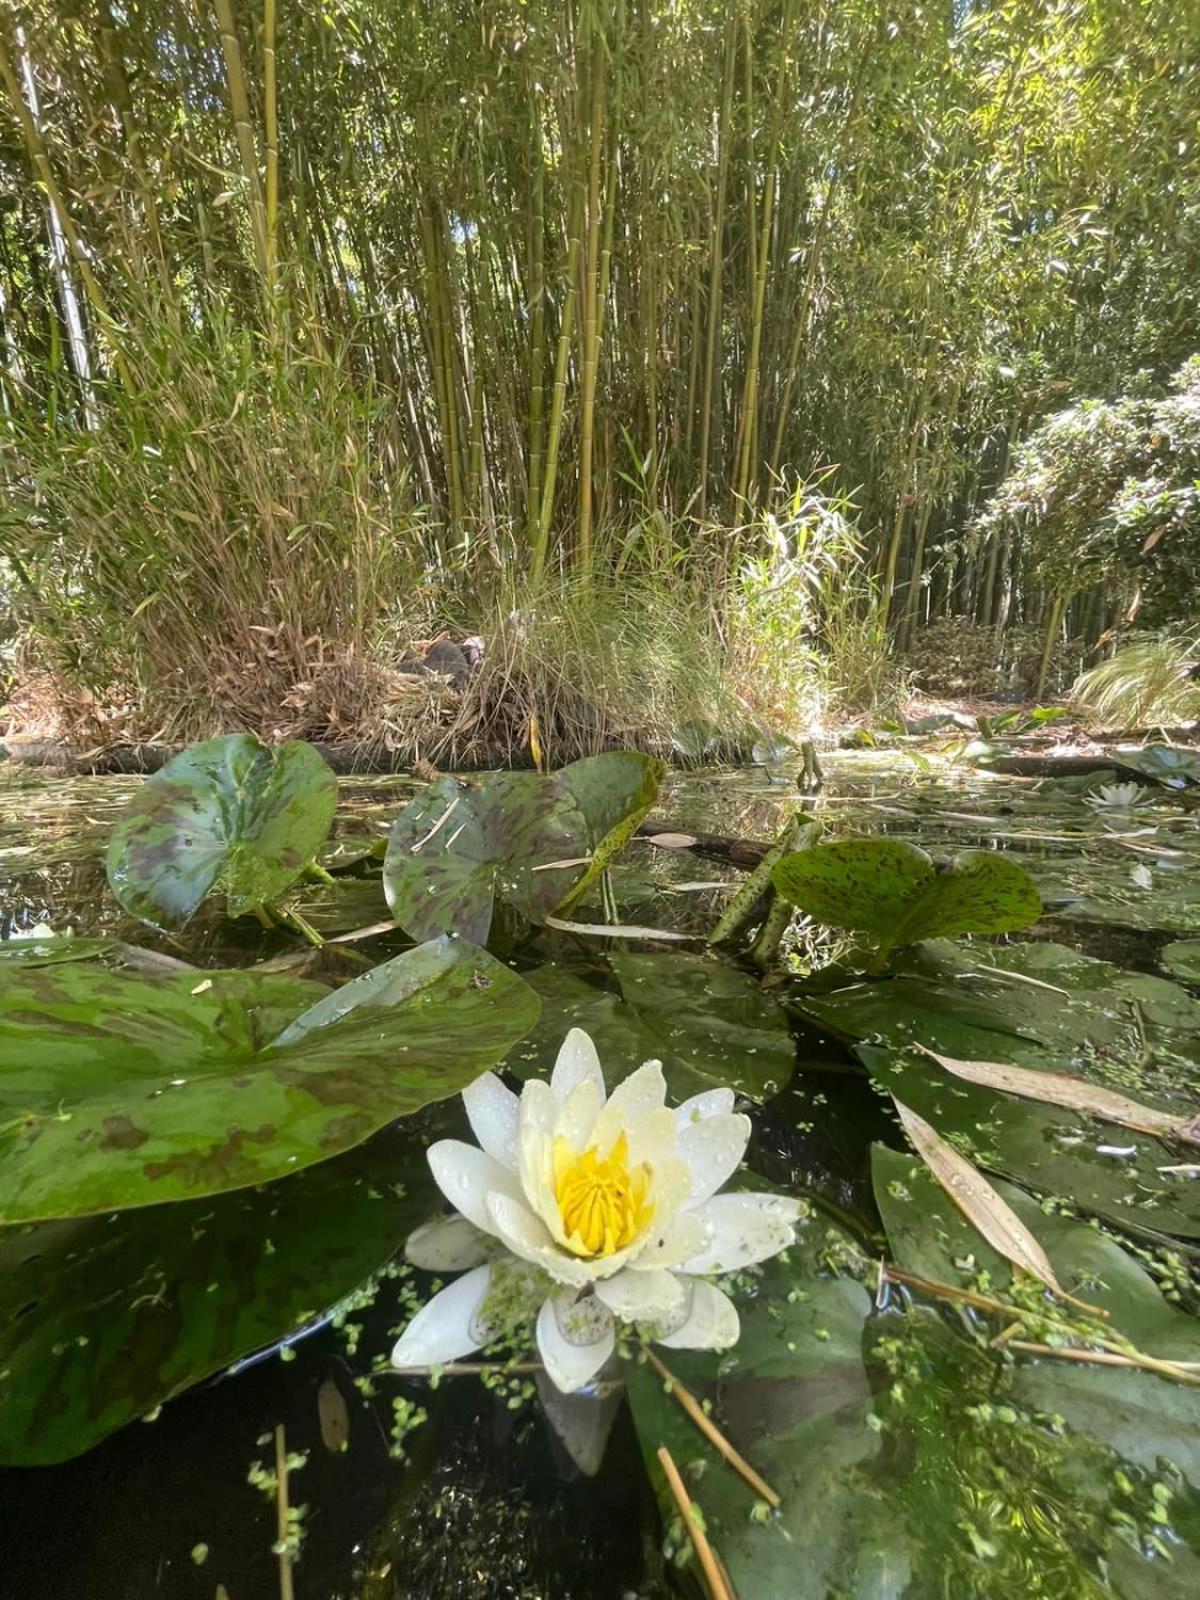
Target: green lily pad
<point x="1164" y="763"/>
<point x="102" y="1318"/>
<point x="118" y="1091"/>
<point x="1182" y="958"/>
<point x="47" y="950"/>
<point x="709" y="1023"/>
<point x="1108" y="1172"/>
<point x="1032" y="1005"/>
<point x="893" y="890"/>
<point x="228" y="814"/>
<point x="533" y="841"/>
<point x="1142" y="1416"/>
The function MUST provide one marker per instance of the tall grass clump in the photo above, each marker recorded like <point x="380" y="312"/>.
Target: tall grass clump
<point x="230" y="524"/>
<point x="1149" y="682"/>
<point x="806" y="630"/>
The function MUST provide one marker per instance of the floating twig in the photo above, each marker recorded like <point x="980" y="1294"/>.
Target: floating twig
<point x="439" y="824"/>
<point x="460" y="1369"/>
<point x="1181" y="1371"/>
<point x="711" y="1432"/>
<point x="286" y="1591"/>
<point x="717" y="1587"/>
<point x="614" y="930"/>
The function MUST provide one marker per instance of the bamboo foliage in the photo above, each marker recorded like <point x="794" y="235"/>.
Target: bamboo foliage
<point x="618" y="259"/>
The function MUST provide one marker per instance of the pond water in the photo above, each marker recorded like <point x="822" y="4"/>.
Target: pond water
<point x="918" y="1459"/>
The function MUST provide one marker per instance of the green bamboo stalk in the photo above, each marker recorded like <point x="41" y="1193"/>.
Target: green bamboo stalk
<point x="558" y="397"/>
<point x="239" y="105"/>
<point x="716" y="263"/>
<point x="271" y="132"/>
<point x="537" y="335"/>
<point x="591" y="309"/>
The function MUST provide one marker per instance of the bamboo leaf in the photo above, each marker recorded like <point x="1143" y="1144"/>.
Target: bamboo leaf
<point x="978" y="1201"/>
<point x="1058" y="1089"/>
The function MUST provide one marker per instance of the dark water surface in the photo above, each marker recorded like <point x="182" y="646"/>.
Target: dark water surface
<point x="487" y="1502"/>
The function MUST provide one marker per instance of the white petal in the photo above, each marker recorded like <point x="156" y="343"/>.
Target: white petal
<point x="466" y="1176"/>
<point x="711" y="1103"/>
<point x="685" y="1235"/>
<point x="713" y="1149"/>
<point x="745" y="1228"/>
<point x="528" y="1237"/>
<point x="446" y="1244"/>
<point x="535" y="1140"/>
<point x="493" y="1110"/>
<point x="575" y="1338"/>
<point x="635" y="1098"/>
<point x="652" y="1138"/>
<point x="711" y="1322"/>
<point x="646" y="1296"/>
<point x="577" y="1063"/>
<point x="448" y="1326"/>
<point x="577" y="1115"/>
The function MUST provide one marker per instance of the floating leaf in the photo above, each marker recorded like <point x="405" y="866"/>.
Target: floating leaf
<point x="1073" y="1093"/>
<point x="118" y="1091"/>
<point x="894" y="891"/>
<point x="1182" y="959"/>
<point x="228" y="814"/>
<point x="518" y="837"/>
<point x="1143" y="1416"/>
<point x="46" y="949"/>
<point x="977" y="1200"/>
<point x="104" y="1317"/>
<point x="709" y="1023"/>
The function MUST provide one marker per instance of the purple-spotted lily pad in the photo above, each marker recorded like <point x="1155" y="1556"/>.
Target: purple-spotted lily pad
<point x="102" y="1318"/>
<point x="229" y="815"/>
<point x="120" y="1091"/>
<point x="535" y="841"/>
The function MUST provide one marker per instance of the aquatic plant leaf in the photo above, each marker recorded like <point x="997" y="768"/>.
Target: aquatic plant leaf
<point x="118" y="1091"/>
<point x="709" y="1022"/>
<point x="1052" y="1152"/>
<point x="977" y="1200"/>
<point x="1075" y="1094"/>
<point x="227" y="814"/>
<point x="1166" y="764"/>
<point x="49" y="949"/>
<point x="534" y="841"/>
<point x="1141" y="1415"/>
<point x="893" y="890"/>
<point x="792" y="1396"/>
<point x="1181" y="958"/>
<point x="102" y="1318"/>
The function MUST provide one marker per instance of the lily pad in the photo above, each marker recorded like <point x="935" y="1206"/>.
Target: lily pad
<point x="533" y="841"/>
<point x="894" y="891"/>
<point x="118" y="1091"/>
<point x="104" y="1317"/>
<point x="48" y="949"/>
<point x="1182" y="959"/>
<point x="1142" y="1416"/>
<point x="1032" y="1005"/>
<point x="228" y="814"/>
<point x="707" y="1021"/>
<point x="1108" y="1172"/>
<point x="1167" y="764"/>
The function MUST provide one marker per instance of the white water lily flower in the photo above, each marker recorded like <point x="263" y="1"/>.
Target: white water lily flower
<point x="614" y="1200"/>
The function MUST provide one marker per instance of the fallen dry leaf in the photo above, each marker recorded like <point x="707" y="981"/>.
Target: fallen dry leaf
<point x="1075" y="1094"/>
<point x="980" y="1204"/>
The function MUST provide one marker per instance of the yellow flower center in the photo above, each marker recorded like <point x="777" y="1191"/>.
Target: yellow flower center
<point x="601" y="1200"/>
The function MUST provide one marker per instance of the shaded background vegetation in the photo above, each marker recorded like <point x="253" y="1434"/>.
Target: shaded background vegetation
<point x="705" y="331"/>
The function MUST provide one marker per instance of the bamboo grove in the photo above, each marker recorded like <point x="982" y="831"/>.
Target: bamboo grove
<point x="579" y="285"/>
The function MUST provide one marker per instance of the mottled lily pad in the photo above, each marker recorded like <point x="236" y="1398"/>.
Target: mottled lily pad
<point x="118" y="1091"/>
<point x="1141" y="1415"/>
<point x="709" y="1023"/>
<point x="228" y="814"/>
<point x="102" y="1318"/>
<point x="894" y="891"/>
<point x="1182" y="959"/>
<point x="533" y="841"/>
